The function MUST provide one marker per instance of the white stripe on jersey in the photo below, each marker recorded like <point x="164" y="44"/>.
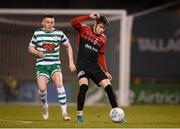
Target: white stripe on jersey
<point x="55" y="31"/>
<point x="50" y="57"/>
<point x="55" y="53"/>
<point x="55" y="38"/>
<point x="48" y="63"/>
<point x="40" y="49"/>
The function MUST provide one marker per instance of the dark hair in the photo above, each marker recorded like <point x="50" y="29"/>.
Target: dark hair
<point x="48" y="16"/>
<point x="102" y="19"/>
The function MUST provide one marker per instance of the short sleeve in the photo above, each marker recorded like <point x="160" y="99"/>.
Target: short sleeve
<point x="64" y="39"/>
<point x="33" y="40"/>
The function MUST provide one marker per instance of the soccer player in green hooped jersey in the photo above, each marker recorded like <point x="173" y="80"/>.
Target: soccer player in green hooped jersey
<point x="45" y="44"/>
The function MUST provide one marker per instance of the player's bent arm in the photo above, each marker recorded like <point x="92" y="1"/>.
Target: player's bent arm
<point x="32" y="50"/>
<point x="76" y="22"/>
<point x="108" y="75"/>
<point x="102" y="62"/>
<point x="94" y="15"/>
<point x="70" y="56"/>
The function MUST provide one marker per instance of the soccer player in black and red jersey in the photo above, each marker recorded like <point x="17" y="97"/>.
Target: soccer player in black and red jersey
<point x="91" y="63"/>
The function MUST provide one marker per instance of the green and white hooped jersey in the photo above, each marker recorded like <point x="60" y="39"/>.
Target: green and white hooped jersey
<point x="49" y="43"/>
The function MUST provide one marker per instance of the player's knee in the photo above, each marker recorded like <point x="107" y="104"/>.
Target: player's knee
<point x="104" y="83"/>
<point x="42" y="92"/>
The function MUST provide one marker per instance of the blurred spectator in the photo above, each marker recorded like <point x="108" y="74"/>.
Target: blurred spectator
<point x="11" y="88"/>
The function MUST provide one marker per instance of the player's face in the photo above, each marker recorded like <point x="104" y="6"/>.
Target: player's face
<point x="48" y="24"/>
<point x="99" y="28"/>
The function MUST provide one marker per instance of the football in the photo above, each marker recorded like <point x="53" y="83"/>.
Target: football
<point x="116" y="114"/>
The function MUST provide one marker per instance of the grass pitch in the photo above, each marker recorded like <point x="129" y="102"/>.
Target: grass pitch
<point x="138" y="116"/>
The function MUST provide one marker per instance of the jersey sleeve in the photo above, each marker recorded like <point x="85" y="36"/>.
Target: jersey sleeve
<point x="64" y="39"/>
<point x="102" y="61"/>
<point x="101" y="56"/>
<point x="76" y="22"/>
<point x="33" y="41"/>
<point x="103" y="47"/>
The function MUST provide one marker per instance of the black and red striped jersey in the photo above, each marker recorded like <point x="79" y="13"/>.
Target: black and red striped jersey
<point x="91" y="46"/>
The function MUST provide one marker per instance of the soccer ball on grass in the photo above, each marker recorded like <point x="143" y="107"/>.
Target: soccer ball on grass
<point x="116" y="114"/>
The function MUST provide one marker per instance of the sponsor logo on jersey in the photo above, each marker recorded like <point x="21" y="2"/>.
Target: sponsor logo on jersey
<point x="49" y="47"/>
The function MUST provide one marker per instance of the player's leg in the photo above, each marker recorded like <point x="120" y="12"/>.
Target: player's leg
<point x="42" y="79"/>
<point x="105" y="83"/>
<point x="42" y="84"/>
<point x="57" y="79"/>
<point x="99" y="77"/>
<point x="83" y="87"/>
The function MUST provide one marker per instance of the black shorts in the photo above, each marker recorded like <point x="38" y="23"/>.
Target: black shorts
<point x="95" y="74"/>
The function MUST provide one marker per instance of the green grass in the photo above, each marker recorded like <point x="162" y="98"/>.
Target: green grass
<point x="138" y="116"/>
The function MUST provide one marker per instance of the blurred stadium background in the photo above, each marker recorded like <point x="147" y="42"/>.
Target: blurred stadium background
<point x="153" y="77"/>
<point x="154" y="53"/>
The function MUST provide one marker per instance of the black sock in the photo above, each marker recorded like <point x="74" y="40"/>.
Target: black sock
<point x="81" y="96"/>
<point x="111" y="96"/>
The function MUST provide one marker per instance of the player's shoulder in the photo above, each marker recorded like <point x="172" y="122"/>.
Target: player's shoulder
<point x="38" y="31"/>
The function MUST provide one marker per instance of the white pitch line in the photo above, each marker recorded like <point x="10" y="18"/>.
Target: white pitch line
<point x="16" y="121"/>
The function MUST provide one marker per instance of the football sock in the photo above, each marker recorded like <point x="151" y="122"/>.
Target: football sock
<point x="79" y="113"/>
<point x="111" y="96"/>
<point x="62" y="99"/>
<point x="81" y="96"/>
<point x="43" y="96"/>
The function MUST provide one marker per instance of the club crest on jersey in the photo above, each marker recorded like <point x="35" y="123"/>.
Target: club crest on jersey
<point x="56" y="38"/>
<point x="95" y="41"/>
<point x="81" y="73"/>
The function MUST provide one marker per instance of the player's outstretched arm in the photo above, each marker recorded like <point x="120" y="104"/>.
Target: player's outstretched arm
<point x="72" y="67"/>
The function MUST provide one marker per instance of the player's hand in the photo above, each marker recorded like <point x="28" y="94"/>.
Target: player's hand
<point x="94" y="15"/>
<point x="72" y="67"/>
<point x="109" y="76"/>
<point x="41" y="54"/>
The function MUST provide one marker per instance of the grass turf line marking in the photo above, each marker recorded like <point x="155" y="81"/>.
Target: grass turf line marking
<point x="16" y="121"/>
